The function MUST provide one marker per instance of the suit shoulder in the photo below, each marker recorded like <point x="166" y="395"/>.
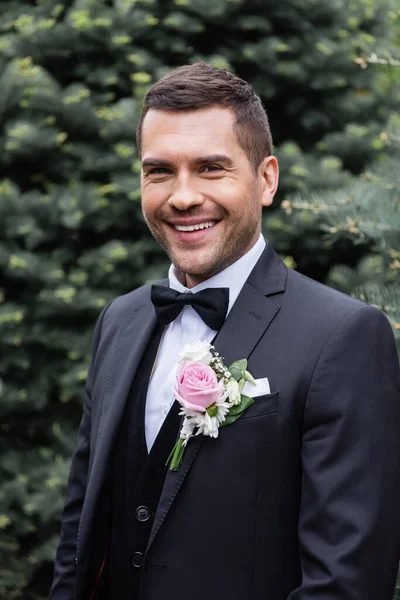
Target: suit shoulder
<point x="326" y="307"/>
<point x="314" y="292"/>
<point x="313" y="315"/>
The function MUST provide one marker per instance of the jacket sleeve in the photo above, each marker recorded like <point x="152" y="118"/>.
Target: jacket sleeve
<point x="63" y="586"/>
<point x="349" y="521"/>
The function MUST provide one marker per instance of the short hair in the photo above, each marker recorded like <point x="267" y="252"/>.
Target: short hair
<point x="199" y="86"/>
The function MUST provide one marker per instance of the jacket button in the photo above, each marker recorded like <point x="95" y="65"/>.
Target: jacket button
<point x="137" y="560"/>
<point x="142" y="514"/>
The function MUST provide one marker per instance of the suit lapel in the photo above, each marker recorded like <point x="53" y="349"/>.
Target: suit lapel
<point x="248" y="320"/>
<point x="126" y="355"/>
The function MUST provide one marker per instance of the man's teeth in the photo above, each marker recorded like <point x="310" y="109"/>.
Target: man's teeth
<point x="194" y="227"/>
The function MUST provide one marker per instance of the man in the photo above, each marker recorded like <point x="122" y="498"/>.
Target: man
<point x="299" y="498"/>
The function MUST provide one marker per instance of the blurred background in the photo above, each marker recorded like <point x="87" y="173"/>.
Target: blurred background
<point x="73" y="74"/>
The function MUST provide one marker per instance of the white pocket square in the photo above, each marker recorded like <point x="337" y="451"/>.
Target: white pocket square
<point x="260" y="389"/>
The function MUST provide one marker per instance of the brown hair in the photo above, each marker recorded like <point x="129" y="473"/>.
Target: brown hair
<point x="193" y="87"/>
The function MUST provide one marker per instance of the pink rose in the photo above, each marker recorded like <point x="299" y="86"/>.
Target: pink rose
<point x="197" y="386"/>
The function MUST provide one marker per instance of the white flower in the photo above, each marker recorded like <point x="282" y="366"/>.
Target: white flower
<point x="196" y="352"/>
<point x="232" y="388"/>
<point x="203" y="422"/>
<point x="208" y="425"/>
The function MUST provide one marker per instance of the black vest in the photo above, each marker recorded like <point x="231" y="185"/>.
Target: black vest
<point x="137" y="482"/>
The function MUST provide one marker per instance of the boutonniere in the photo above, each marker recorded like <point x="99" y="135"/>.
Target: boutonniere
<point x="210" y="394"/>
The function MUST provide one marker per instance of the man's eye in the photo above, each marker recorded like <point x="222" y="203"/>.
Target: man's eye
<point x="157" y="171"/>
<point x="212" y="168"/>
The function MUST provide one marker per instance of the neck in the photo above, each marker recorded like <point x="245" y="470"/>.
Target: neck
<point x="191" y="281"/>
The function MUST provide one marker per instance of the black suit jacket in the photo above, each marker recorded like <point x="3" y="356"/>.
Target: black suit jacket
<point x="297" y="500"/>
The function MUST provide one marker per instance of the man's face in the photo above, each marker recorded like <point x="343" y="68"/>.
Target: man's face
<point x="201" y="197"/>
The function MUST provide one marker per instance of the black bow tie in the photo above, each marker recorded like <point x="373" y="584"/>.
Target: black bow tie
<point x="210" y="304"/>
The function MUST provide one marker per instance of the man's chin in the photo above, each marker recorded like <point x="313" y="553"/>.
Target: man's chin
<point x="196" y="273"/>
<point x="191" y="263"/>
<point x="192" y="272"/>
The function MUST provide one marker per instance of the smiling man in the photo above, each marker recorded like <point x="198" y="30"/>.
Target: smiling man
<point x="299" y="498"/>
<point x="203" y="208"/>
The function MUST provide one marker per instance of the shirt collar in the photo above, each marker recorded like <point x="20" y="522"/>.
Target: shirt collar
<point x="233" y="277"/>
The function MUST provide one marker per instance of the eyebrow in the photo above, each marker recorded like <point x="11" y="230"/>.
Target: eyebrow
<point x="200" y="160"/>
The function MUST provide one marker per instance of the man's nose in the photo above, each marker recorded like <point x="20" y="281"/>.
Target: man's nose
<point x="184" y="195"/>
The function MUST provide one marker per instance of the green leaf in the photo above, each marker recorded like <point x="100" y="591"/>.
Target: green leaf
<point x="236" y="411"/>
<point x="246" y="402"/>
<point x="249" y="377"/>
<point x="238" y="369"/>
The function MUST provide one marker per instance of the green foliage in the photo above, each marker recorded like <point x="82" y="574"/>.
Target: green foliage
<point x="73" y="74"/>
<point x="366" y="214"/>
<point x="236" y="411"/>
<point x="238" y="369"/>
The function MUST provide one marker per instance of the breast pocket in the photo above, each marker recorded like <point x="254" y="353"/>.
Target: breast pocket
<point x="263" y="405"/>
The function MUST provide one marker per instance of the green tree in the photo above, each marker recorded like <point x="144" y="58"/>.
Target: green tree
<point x="364" y="214"/>
<point x="301" y="237"/>
<point x="72" y="77"/>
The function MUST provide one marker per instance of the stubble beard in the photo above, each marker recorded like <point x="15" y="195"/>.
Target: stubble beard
<point x="212" y="259"/>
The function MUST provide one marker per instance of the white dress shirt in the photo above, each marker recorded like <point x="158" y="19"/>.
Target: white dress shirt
<point x="186" y="328"/>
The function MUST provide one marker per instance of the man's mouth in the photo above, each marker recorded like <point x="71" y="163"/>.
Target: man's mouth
<point x="205" y="225"/>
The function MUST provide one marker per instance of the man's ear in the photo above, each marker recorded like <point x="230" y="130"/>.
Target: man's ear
<point x="269" y="175"/>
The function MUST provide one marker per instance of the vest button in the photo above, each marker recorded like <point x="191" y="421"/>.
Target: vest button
<point x="137" y="560"/>
<point x="142" y="514"/>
